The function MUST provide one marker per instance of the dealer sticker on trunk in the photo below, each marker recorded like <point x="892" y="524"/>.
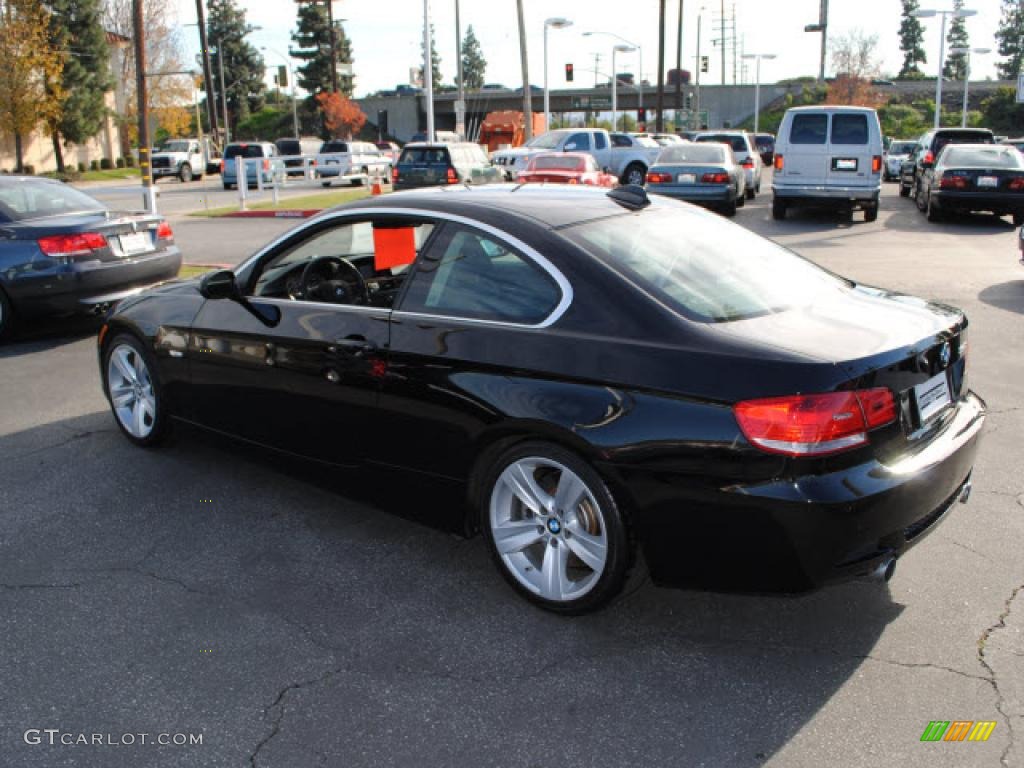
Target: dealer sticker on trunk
<point x="932" y="396"/>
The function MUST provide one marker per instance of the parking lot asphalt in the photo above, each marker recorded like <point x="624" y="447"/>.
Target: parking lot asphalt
<point x="295" y="617"/>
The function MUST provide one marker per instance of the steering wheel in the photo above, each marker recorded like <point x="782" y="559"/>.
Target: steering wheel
<point x="332" y="279"/>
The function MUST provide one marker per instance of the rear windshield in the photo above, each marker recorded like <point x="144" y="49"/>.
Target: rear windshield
<point x="692" y="153"/>
<point x="334" y="146"/>
<point x="243" y="150"/>
<point x="289" y="147"/>
<point x="971" y="157"/>
<point x="30" y="199"/>
<point x="703" y="267"/>
<point x="961" y="137"/>
<point x="809" y="129"/>
<point x="424" y="155"/>
<point x="738" y="143"/>
<point x="764" y="142"/>
<point x="849" y="129"/>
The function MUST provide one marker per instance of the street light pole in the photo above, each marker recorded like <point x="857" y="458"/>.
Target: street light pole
<point x="428" y="69"/>
<point x="291" y="78"/>
<point x="640" y="63"/>
<point x="757" y="82"/>
<point x="558" y="23"/>
<point x="211" y="106"/>
<point x="967" y="74"/>
<point x="927" y="13"/>
<point x="223" y="93"/>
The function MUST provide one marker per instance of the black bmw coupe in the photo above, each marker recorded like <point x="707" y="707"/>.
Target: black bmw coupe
<point x="606" y="374"/>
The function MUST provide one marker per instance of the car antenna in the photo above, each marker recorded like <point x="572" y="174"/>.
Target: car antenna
<point x="631" y="196"/>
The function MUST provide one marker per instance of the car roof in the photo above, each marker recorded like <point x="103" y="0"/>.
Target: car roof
<point x="831" y="108"/>
<point x="500" y="205"/>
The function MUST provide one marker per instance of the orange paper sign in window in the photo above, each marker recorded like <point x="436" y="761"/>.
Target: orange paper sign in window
<point x="393" y="247"/>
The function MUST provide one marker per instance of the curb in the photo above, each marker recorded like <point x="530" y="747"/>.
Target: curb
<point x="284" y="213"/>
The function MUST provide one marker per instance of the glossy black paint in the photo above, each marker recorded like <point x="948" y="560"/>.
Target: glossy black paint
<point x="635" y="389"/>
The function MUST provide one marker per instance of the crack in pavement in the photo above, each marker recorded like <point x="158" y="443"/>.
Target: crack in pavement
<point x="1000" y="623"/>
<point x="60" y="444"/>
<point x="73" y="585"/>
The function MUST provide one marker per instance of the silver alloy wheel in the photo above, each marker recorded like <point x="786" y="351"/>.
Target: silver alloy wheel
<point x="131" y="391"/>
<point x="635" y="175"/>
<point x="548" y="529"/>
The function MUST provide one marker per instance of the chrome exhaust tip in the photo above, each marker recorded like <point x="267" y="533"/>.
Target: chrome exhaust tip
<point x="884" y="570"/>
<point x="965" y="491"/>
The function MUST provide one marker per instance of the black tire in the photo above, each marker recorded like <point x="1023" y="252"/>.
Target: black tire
<point x="750" y="193"/>
<point x="871" y="212"/>
<point x="919" y="199"/>
<point x="228" y="186"/>
<point x="635" y="173"/>
<point x="619" y="555"/>
<point x="933" y="212"/>
<point x="741" y="201"/>
<point x="778" y="210"/>
<point x="904" y="190"/>
<point x="6" y="316"/>
<point x="159" y="423"/>
<point x="325" y="183"/>
<point x="729" y="209"/>
<point x="185" y="173"/>
<point x="1018" y="220"/>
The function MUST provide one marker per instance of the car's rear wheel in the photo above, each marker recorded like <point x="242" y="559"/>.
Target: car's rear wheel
<point x="325" y="183"/>
<point x="920" y="200"/>
<point x="932" y="211"/>
<point x="904" y="190"/>
<point x="1018" y="220"/>
<point x="134" y="391"/>
<point x="741" y="200"/>
<point x="871" y="212"/>
<point x="729" y="209"/>
<point x="750" y="193"/>
<point x="228" y="186"/>
<point x="554" y="530"/>
<point x="635" y="173"/>
<point x="778" y="210"/>
<point x="185" y="173"/>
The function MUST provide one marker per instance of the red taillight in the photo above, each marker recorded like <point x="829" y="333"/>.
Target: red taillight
<point x="266" y="164"/>
<point x="394" y="175"/>
<point x="1016" y="184"/>
<point x="574" y="180"/>
<point x="453" y="177"/>
<point x="659" y="178"/>
<point x="953" y="181"/>
<point x="928" y="159"/>
<point x="222" y="167"/>
<point x="164" y="231"/>
<point x="779" y="163"/>
<point x="815" y="425"/>
<point x="748" y="163"/>
<point x="80" y="244"/>
<point x="715" y="178"/>
<point x="876" y="163"/>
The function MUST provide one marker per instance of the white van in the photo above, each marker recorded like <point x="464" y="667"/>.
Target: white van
<point x="351" y="161"/>
<point x="828" y="156"/>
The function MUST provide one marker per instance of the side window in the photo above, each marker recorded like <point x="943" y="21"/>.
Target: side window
<point x="618" y="140"/>
<point x="581" y="140"/>
<point x="600" y="142"/>
<point x="849" y="129"/>
<point x="469" y="274"/>
<point x="808" y="129"/>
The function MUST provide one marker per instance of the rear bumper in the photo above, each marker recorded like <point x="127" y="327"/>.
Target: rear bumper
<point x="977" y="201"/>
<point x="825" y="194"/>
<point x="82" y="287"/>
<point x="795" y="534"/>
<point x="710" y="193"/>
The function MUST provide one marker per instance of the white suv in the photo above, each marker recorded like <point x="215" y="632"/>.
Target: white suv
<point x="746" y="153"/>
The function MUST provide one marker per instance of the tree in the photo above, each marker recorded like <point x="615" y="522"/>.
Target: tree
<point x="1001" y="111"/>
<point x="76" y="28"/>
<point x="163" y="54"/>
<point x="435" y="58"/>
<point x="955" y="67"/>
<point x="312" y="38"/>
<point x="474" y="66"/>
<point x="342" y="117"/>
<point x="227" y="30"/>
<point x="911" y="42"/>
<point x="853" y="54"/>
<point x="1011" y="40"/>
<point x="30" y="89"/>
<point x="853" y="90"/>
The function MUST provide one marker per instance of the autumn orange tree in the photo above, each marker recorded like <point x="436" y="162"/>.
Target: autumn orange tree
<point x="30" y="90"/>
<point x="343" y="119"/>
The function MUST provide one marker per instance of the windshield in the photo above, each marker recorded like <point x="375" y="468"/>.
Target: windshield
<point x="902" y="147"/>
<point x="545" y="140"/>
<point x="550" y="162"/>
<point x="972" y="157"/>
<point x="173" y="146"/>
<point x="693" y="153"/>
<point x="32" y="199"/>
<point x="703" y="267"/>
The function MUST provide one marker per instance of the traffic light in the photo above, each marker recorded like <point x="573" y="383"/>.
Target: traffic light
<point x="641" y="115"/>
<point x="282" y="76"/>
<point x="382" y="121"/>
<point x="704" y="61"/>
<point x="568" y="73"/>
<point x="689" y="101"/>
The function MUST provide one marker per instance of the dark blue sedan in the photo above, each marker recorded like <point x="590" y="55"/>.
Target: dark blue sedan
<point x="63" y="252"/>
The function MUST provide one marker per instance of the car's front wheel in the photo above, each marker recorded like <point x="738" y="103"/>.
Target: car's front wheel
<point x="635" y="173"/>
<point x="185" y="173"/>
<point x="554" y="530"/>
<point x="134" y="391"/>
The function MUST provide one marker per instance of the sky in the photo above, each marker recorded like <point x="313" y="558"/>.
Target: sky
<point x="386" y="35"/>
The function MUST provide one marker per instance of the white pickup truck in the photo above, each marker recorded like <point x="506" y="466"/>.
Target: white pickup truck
<point x="187" y="159"/>
<point x="623" y="155"/>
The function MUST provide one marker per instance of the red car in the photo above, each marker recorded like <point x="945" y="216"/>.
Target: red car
<point x="566" y="168"/>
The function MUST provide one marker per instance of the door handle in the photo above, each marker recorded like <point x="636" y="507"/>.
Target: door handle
<point x="358" y="346"/>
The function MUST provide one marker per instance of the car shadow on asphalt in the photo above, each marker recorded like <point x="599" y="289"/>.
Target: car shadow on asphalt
<point x="1008" y="296"/>
<point x="909" y="219"/>
<point x="300" y="572"/>
<point x="41" y="334"/>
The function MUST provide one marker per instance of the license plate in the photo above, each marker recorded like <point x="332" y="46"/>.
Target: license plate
<point x="138" y="242"/>
<point x="988" y="181"/>
<point x="686" y="178"/>
<point x="932" y="396"/>
<point x="844" y="164"/>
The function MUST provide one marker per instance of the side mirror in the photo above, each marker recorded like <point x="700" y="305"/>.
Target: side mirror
<point x="218" y="285"/>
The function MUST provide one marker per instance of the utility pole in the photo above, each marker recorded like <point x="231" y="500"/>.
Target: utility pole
<point x="721" y="17"/>
<point x="527" y="95"/>
<point x="428" y="69"/>
<point x="823" y="16"/>
<point x="223" y="93"/>
<point x="145" y="164"/>
<point x="679" y="65"/>
<point x="696" y="71"/>
<point x="211" y="106"/>
<point x="659" y="122"/>
<point x="460" y="105"/>
<point x="334" y="46"/>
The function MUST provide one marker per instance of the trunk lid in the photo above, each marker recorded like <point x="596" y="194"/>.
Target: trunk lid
<point x="128" y="235"/>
